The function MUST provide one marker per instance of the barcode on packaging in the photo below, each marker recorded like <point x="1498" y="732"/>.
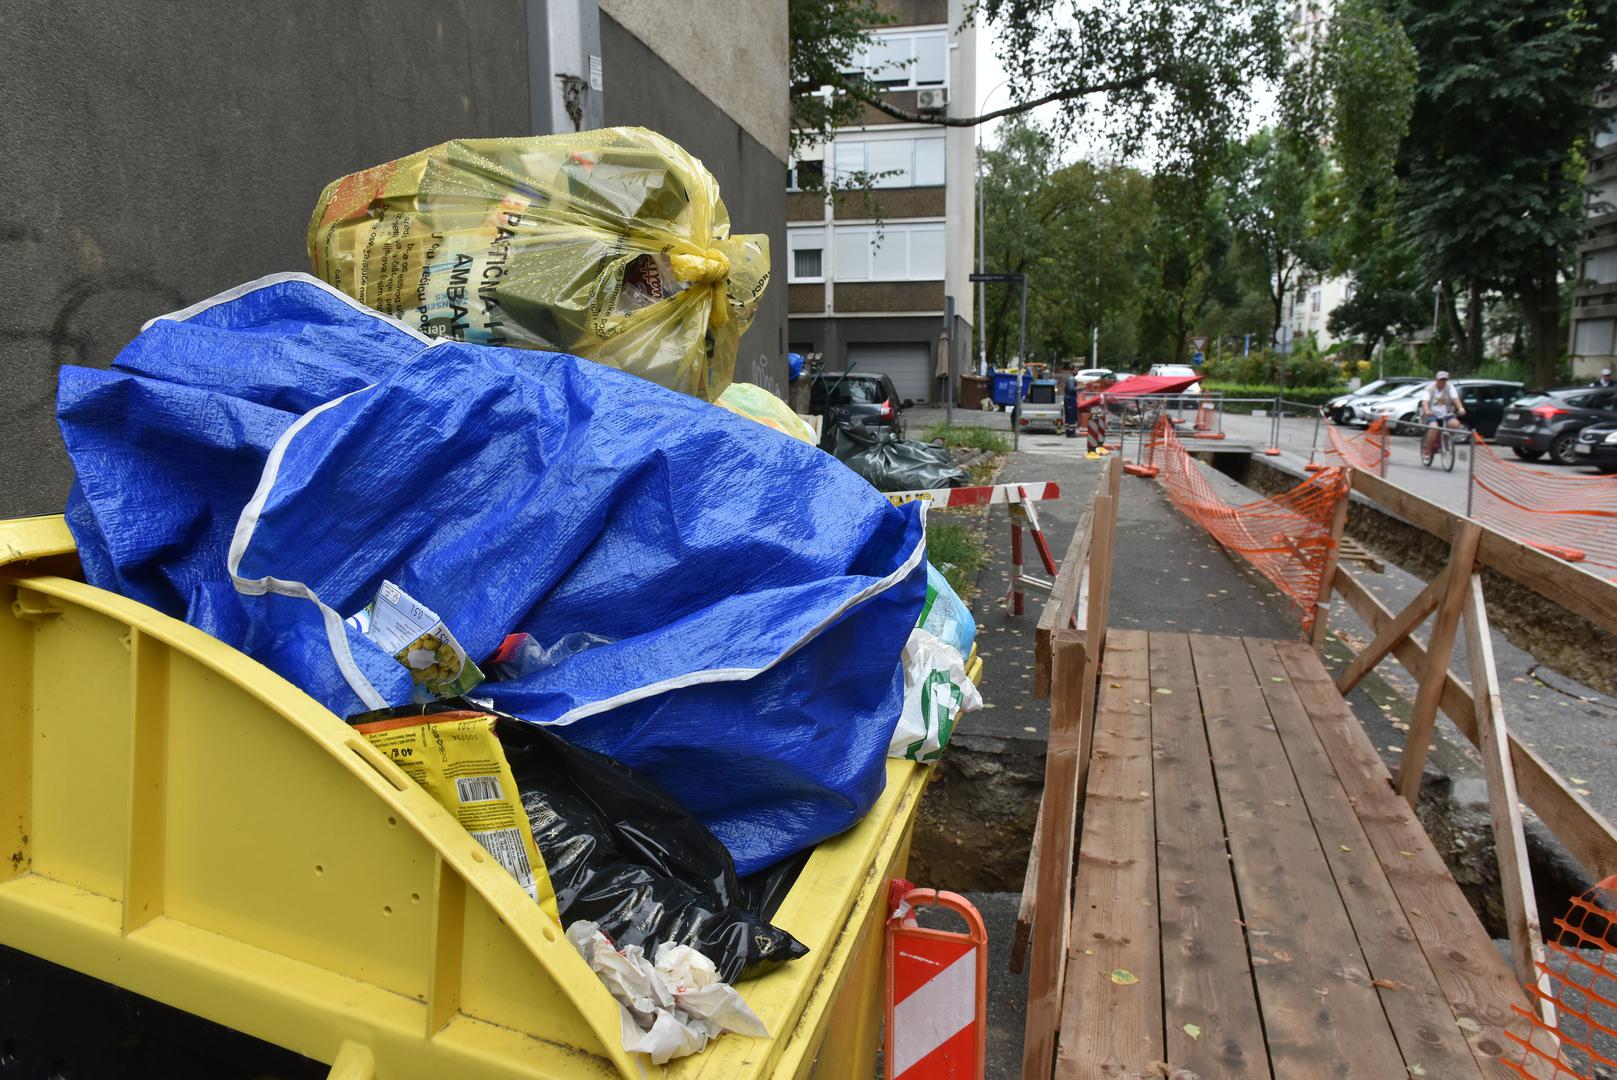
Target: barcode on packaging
<point x="479" y="789"/>
<point x="506" y="847"/>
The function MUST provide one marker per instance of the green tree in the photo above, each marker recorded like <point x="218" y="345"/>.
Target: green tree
<point x="1279" y="175"/>
<point x="1190" y="269"/>
<point x="1164" y="73"/>
<point x="1077" y="232"/>
<point x="1490" y="180"/>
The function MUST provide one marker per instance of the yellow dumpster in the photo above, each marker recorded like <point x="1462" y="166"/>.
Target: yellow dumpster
<point x="179" y="821"/>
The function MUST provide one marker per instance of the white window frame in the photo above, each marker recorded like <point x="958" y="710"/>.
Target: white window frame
<point x="911" y="135"/>
<point x="912" y="33"/>
<point x="891" y="234"/>
<point x="796" y="237"/>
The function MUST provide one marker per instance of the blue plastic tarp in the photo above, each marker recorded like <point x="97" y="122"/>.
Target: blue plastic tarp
<point x="258" y="464"/>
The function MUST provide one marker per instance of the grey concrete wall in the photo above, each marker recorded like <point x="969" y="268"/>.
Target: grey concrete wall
<point x="732" y="51"/>
<point x="645" y="89"/>
<point x="159" y="153"/>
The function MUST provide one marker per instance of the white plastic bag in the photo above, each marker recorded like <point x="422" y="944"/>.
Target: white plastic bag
<point x="670" y="1008"/>
<point x="936" y="692"/>
<point x="945" y="615"/>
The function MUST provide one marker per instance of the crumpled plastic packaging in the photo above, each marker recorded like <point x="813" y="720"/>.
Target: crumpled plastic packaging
<point x="670" y="1008"/>
<point x="936" y="692"/>
<point x="520" y="655"/>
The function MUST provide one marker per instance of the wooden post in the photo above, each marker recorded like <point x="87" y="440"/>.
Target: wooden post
<point x="1504" y="806"/>
<point x="1462" y="553"/>
<point x="1322" y="600"/>
<point x="1058" y="829"/>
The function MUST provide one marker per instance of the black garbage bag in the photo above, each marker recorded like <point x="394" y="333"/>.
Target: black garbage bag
<point x="894" y="464"/>
<point x="623" y="854"/>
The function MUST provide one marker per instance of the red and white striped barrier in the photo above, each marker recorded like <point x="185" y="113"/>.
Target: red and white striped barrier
<point x="937" y="992"/>
<point x="942" y="498"/>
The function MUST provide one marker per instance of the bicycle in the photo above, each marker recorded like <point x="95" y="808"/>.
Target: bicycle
<point x="1447" y="439"/>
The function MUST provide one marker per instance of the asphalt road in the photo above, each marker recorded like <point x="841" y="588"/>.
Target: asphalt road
<point x="1301" y="439"/>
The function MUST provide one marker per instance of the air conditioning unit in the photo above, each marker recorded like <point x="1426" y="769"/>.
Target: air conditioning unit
<point x="935" y="100"/>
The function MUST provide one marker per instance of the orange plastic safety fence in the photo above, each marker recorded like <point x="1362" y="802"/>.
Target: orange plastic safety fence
<point x="1362" y="450"/>
<point x="1570" y="516"/>
<point x="1286" y="537"/>
<point x="1581" y="973"/>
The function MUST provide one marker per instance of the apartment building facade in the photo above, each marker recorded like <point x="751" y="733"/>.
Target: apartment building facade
<point x="1593" y="344"/>
<point x="879" y="283"/>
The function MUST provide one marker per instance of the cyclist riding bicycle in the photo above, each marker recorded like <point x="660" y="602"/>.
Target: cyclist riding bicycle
<point x="1440" y="407"/>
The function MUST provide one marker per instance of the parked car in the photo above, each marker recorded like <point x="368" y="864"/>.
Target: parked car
<point x="1549" y="422"/>
<point x="1179" y="371"/>
<point x="1094" y="374"/>
<point x="1339" y="409"/>
<point x="1484" y="400"/>
<point x="1360" y="411"/>
<point x="864" y="400"/>
<point x="1597" y="446"/>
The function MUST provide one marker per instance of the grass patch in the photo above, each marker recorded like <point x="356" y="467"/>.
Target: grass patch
<point x="977" y="438"/>
<point x="956" y="548"/>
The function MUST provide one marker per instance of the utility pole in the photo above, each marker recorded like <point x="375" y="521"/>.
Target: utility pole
<point x="1094" y="346"/>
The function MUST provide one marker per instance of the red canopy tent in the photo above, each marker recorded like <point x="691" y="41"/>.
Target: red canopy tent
<point x="1140" y="385"/>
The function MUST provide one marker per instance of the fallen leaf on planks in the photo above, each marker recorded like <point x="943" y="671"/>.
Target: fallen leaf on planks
<point x="1193" y="1031"/>
<point x="1124" y="978"/>
<point x="1391" y="984"/>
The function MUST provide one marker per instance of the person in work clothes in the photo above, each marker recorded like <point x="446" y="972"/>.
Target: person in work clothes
<point x="1605" y="378"/>
<point x="1069" y="400"/>
<point x="1440" y="407"/>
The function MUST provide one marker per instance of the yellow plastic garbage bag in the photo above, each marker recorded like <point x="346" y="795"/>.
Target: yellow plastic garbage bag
<point x="612" y="245"/>
<point x="756" y="403"/>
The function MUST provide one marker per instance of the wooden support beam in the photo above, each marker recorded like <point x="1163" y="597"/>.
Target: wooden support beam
<point x="1388" y="637"/>
<point x="1024" y="907"/>
<point x="1333" y="555"/>
<point x="1423" y="718"/>
<point x="1510" y="841"/>
<point x="1065" y="600"/>
<point x="1052" y="904"/>
<point x="1587" y="834"/>
<point x="1576" y="590"/>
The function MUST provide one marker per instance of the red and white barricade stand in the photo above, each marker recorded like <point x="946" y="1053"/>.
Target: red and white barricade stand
<point x="1018" y="500"/>
<point x="937" y="991"/>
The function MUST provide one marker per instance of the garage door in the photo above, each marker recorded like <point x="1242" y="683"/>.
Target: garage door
<point x="909" y="365"/>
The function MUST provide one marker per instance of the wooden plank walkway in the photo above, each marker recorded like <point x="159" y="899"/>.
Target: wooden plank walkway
<point x="1253" y="899"/>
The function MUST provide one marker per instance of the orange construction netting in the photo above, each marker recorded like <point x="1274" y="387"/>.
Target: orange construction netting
<point x="1578" y="980"/>
<point x="1287" y="537"/>
<point x="1362" y="450"/>
<point x="1570" y="516"/>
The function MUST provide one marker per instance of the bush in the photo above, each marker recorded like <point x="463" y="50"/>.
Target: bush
<point x="958" y="551"/>
<point x="1294" y="395"/>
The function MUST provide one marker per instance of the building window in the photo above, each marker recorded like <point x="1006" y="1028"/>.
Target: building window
<point x="1608" y="134"/>
<point x="907" y="59"/>
<point x="805" y="175"/>
<point x="806" y="254"/>
<point x="1314" y="301"/>
<point x="1592" y="337"/>
<point x="894" y="162"/>
<point x="1600" y="267"/>
<point x="1603" y="196"/>
<point x="900" y="251"/>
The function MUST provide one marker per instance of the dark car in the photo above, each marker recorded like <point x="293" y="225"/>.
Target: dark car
<point x="1340" y="409"/>
<point x="1549" y="422"/>
<point x="1597" y="446"/>
<point x="1485" y="401"/>
<point x="859" y="398"/>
